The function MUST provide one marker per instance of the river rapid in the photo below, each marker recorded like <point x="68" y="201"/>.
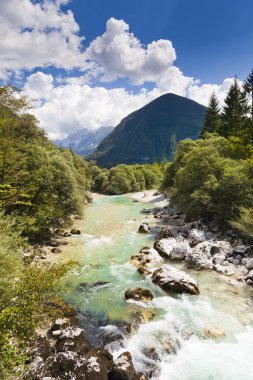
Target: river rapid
<point x="173" y="344"/>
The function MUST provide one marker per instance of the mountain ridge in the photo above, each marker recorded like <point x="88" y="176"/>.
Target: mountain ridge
<point x="148" y="134"/>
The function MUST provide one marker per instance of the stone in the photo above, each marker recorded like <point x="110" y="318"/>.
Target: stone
<point x="66" y="365"/>
<point x="241" y="249"/>
<point x="244" y="261"/>
<point x="123" y="368"/>
<point x="213" y="332"/>
<point x="174" y="249"/>
<point x="144" y="228"/>
<point x="67" y="234"/>
<point x="236" y="262"/>
<point x="167" y="232"/>
<point x="227" y="270"/>
<point x="200" y="257"/>
<point x="139" y="294"/>
<point x="72" y="339"/>
<point x="75" y="231"/>
<point x="172" y="279"/>
<point x="42" y="347"/>
<point x="218" y="258"/>
<point x="56" y="250"/>
<point x="249" y="264"/>
<point x="226" y="263"/>
<point x="60" y="323"/>
<point x="99" y="363"/>
<point x="147" y="257"/>
<point x="195" y="237"/>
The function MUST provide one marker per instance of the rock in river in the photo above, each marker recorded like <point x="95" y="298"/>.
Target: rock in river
<point x="147" y="257"/>
<point x="174" y="249"/>
<point x="139" y="294"/>
<point x="144" y="228"/>
<point x="172" y="279"/>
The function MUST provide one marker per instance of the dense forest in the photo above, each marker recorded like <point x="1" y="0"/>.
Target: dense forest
<point x="212" y="177"/>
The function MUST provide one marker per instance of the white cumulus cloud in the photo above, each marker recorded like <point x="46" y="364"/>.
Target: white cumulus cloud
<point x="118" y="53"/>
<point x="37" y="35"/>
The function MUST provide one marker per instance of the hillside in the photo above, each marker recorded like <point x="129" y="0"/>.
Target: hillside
<point x="151" y="133"/>
<point x="84" y="141"/>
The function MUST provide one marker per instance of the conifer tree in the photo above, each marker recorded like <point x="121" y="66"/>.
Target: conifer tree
<point x="212" y="116"/>
<point x="234" y="115"/>
<point x="248" y="87"/>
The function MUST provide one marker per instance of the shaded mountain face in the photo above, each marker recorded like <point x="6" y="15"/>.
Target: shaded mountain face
<point x="84" y="142"/>
<point x="151" y="133"/>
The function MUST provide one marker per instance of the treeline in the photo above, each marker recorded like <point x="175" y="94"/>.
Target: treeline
<point x="212" y="177"/>
<point x="123" y="179"/>
<point x="40" y="184"/>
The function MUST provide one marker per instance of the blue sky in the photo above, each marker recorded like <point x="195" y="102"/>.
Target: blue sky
<point x="213" y="39"/>
<point x="90" y="63"/>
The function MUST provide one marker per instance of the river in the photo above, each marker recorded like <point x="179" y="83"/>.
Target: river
<point x="176" y="332"/>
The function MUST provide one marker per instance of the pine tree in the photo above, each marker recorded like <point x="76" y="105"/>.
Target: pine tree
<point x="234" y="115"/>
<point x="212" y="116"/>
<point x="248" y="87"/>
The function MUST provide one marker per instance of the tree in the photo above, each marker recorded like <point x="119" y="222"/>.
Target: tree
<point x="212" y="116"/>
<point x="248" y="87"/>
<point x="234" y="116"/>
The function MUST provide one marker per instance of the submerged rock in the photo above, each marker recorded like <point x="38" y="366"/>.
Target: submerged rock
<point x="139" y="294"/>
<point x="172" y="279"/>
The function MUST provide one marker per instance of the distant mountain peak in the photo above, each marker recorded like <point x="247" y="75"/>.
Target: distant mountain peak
<point x="84" y="141"/>
<point x="151" y="133"/>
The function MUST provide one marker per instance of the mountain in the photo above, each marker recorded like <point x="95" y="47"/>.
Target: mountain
<point x="151" y="133"/>
<point x="84" y="141"/>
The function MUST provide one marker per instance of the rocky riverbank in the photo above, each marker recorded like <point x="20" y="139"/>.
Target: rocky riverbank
<point x="63" y="353"/>
<point x="193" y="244"/>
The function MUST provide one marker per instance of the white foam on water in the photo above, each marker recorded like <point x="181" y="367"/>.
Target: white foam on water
<point x="184" y="352"/>
<point x="101" y="240"/>
<point x="209" y="360"/>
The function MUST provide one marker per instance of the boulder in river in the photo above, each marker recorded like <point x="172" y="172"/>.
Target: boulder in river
<point x="123" y="369"/>
<point x="144" y="228"/>
<point x="139" y="294"/>
<point x="174" y="249"/>
<point x="172" y="279"/>
<point x="147" y="257"/>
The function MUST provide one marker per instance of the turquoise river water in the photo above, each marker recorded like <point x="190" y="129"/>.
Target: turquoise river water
<point x="177" y="328"/>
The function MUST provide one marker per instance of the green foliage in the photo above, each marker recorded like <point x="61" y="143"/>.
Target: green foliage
<point x="244" y="223"/>
<point x="126" y="178"/>
<point x="24" y="292"/>
<point x="206" y="180"/>
<point x="212" y="116"/>
<point x="234" y="115"/>
<point x="39" y="183"/>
